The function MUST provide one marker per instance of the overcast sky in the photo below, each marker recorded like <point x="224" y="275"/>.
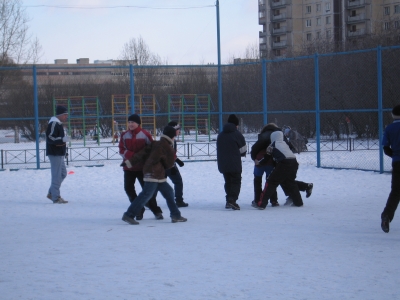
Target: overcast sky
<point x="98" y="29"/>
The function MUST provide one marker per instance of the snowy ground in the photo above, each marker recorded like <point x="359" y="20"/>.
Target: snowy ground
<point x="332" y="248"/>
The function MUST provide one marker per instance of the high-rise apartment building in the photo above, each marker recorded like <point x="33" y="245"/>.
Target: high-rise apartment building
<point x="288" y="25"/>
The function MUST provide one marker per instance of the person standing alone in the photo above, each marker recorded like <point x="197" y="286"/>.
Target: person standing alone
<point x="391" y="147"/>
<point x="56" y="148"/>
<point x="231" y="146"/>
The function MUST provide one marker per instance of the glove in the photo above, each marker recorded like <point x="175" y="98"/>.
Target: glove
<point x="269" y="149"/>
<point x="65" y="139"/>
<point x="126" y="163"/>
<point x="179" y="162"/>
<point x="66" y="154"/>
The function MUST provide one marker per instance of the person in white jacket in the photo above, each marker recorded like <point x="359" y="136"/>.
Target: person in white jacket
<point x="284" y="173"/>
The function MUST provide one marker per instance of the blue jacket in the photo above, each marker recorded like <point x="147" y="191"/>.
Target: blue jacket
<point x="391" y="140"/>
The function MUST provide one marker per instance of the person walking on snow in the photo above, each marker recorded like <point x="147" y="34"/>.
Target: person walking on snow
<point x="157" y="157"/>
<point x="391" y="147"/>
<point x="173" y="174"/>
<point x="231" y="146"/>
<point x="56" y="149"/>
<point x="132" y="141"/>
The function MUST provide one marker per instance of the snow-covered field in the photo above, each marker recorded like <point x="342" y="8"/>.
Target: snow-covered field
<point x="332" y="248"/>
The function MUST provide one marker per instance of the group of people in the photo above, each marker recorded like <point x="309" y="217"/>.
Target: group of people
<point x="152" y="162"/>
<point x="272" y="154"/>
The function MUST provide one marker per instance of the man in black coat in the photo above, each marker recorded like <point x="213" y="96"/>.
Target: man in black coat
<point x="231" y="146"/>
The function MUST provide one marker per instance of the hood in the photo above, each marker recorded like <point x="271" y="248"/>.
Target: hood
<point x="229" y="127"/>
<point x="55" y="119"/>
<point x="277" y="136"/>
<point x="170" y="141"/>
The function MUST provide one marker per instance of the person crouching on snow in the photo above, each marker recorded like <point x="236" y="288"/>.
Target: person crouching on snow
<point x="158" y="157"/>
<point x="284" y="173"/>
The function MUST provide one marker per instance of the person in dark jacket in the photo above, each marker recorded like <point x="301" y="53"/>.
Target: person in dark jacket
<point x="157" y="157"/>
<point x="174" y="175"/>
<point x="132" y="141"/>
<point x="391" y="147"/>
<point x="284" y="173"/>
<point x="258" y="153"/>
<point x="231" y="146"/>
<point x="56" y="148"/>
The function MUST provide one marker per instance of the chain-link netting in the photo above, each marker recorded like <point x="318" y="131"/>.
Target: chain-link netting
<point x="329" y="106"/>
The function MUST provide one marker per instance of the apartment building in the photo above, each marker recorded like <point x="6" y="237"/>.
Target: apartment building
<point x="288" y="25"/>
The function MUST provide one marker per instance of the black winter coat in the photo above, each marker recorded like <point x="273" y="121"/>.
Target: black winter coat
<point x="54" y="138"/>
<point x="231" y="146"/>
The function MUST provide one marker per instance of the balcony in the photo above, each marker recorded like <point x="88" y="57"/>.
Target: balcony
<point x="262" y="34"/>
<point x="277" y="45"/>
<point x="355" y="33"/>
<point x="356" y="19"/>
<point x="278" y="31"/>
<point x="280" y="17"/>
<point x="357" y="3"/>
<point x="278" y="4"/>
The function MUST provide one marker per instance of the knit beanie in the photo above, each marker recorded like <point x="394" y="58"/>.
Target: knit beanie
<point x="175" y="125"/>
<point x="61" y="110"/>
<point x="169" y="131"/>
<point x="233" y="119"/>
<point x="396" y="112"/>
<point x="135" y="118"/>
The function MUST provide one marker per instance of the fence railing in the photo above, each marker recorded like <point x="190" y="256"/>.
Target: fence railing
<point x="26" y="158"/>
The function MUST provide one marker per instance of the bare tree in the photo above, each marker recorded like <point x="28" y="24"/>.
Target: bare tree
<point x="15" y="42"/>
<point x="137" y="52"/>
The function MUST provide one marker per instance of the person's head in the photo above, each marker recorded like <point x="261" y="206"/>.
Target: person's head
<point x="396" y="112"/>
<point x="134" y="122"/>
<point x="233" y="119"/>
<point x="176" y="126"/>
<point x="169" y="131"/>
<point x="62" y="113"/>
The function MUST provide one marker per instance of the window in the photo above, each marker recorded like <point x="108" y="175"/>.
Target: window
<point x="353" y="13"/>
<point x="386" y="10"/>
<point x="308" y="23"/>
<point x="396" y="24"/>
<point x="318" y="35"/>
<point x="277" y="52"/>
<point x="308" y="36"/>
<point x="397" y="9"/>
<point x="353" y="28"/>
<point x="276" y="12"/>
<point x="318" y="21"/>
<point x="387" y="25"/>
<point x="318" y="7"/>
<point x="277" y="39"/>
<point x="277" y="25"/>
<point x="308" y="9"/>
<point x="328" y="34"/>
<point x="328" y="6"/>
<point x="328" y="20"/>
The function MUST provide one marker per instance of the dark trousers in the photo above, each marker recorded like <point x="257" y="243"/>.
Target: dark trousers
<point x="176" y="179"/>
<point x="303" y="186"/>
<point x="394" y="196"/>
<point x="233" y="182"/>
<point x="284" y="175"/>
<point x="129" y="186"/>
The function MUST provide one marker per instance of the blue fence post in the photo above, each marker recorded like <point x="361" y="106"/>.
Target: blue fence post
<point x="380" y="111"/>
<point x="317" y="110"/>
<point x="264" y="89"/>
<point x="132" y="87"/>
<point x="219" y="71"/>
<point x="36" y="109"/>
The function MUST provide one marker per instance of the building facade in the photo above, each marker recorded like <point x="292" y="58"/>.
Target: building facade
<point x="288" y="25"/>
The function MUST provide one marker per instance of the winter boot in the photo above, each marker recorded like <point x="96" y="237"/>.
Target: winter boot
<point x="309" y="190"/>
<point x="178" y="219"/>
<point x="129" y="220"/>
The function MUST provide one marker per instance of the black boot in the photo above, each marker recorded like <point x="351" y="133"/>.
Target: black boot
<point x="257" y="182"/>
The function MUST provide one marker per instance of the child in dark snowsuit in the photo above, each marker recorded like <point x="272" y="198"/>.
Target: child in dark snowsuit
<point x="284" y="173"/>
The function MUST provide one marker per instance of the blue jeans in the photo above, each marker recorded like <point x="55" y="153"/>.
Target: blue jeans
<point x="260" y="170"/>
<point x="149" y="188"/>
<point x="58" y="174"/>
<point x="176" y="179"/>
